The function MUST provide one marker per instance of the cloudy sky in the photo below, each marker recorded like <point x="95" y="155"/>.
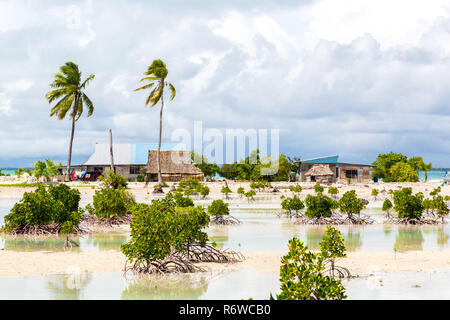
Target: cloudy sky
<point x="349" y="77"/>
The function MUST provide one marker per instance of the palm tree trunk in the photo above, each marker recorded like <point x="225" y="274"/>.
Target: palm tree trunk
<point x="158" y="154"/>
<point x="70" y="147"/>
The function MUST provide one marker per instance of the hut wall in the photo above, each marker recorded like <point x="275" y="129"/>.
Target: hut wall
<point x="352" y="173"/>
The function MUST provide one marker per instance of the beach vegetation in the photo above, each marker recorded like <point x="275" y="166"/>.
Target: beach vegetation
<point x="319" y="206"/>
<point x="332" y="247"/>
<point x="292" y="206"/>
<point x="387" y="207"/>
<point x="302" y="276"/>
<point x="318" y="188"/>
<point x="225" y="190"/>
<point x="396" y="167"/>
<point x="181" y="201"/>
<point x="240" y="191"/>
<point x="250" y="194"/>
<point x="46" y="169"/>
<point x="113" y="180"/>
<point x="297" y="189"/>
<point x="109" y="203"/>
<point x="375" y="193"/>
<point x="350" y="204"/>
<point x="220" y="213"/>
<point x="333" y="191"/>
<point x="44" y="211"/>
<point x="408" y="206"/>
<point x="201" y="162"/>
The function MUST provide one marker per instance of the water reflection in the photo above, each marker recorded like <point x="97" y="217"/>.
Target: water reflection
<point x="25" y="243"/>
<point x="408" y="239"/>
<point x="179" y="287"/>
<point x="68" y="287"/>
<point x="353" y="239"/>
<point x="441" y="237"/>
<point x="106" y="241"/>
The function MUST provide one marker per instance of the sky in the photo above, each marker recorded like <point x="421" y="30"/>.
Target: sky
<point x="348" y="77"/>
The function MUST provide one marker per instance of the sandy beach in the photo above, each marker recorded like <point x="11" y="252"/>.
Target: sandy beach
<point x="13" y="263"/>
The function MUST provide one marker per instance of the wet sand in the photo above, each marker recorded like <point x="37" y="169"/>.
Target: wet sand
<point x="13" y="263"/>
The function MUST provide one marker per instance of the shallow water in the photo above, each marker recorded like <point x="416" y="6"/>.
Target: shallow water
<point x="243" y="284"/>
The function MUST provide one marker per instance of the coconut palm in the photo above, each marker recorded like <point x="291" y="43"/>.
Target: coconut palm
<point x="68" y="88"/>
<point x="156" y="76"/>
<point x="427" y="167"/>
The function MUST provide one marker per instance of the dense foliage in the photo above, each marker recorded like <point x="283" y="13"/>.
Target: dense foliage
<point x="218" y="208"/>
<point x="318" y="188"/>
<point x="109" y="203"/>
<point x="319" y="206"/>
<point x="396" y="167"/>
<point x="159" y="228"/>
<point x="302" y="276"/>
<point x="113" y="180"/>
<point x="333" y="191"/>
<point x="201" y="162"/>
<point x="292" y="206"/>
<point x="387" y="206"/>
<point x="45" y="169"/>
<point x="57" y="205"/>
<point x="407" y="204"/>
<point x="350" y="204"/>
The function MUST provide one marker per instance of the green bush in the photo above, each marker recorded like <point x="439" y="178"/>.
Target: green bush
<point x="387" y="206"/>
<point x="218" y="208"/>
<point x="291" y="205"/>
<point x="182" y="201"/>
<point x="204" y="191"/>
<point x="350" y="204"/>
<point x="240" y="191"/>
<point x="249" y="194"/>
<point x="319" y="206"/>
<point x="333" y="191"/>
<point x="113" y="180"/>
<point x="55" y="204"/>
<point x="296" y="189"/>
<point x="158" y="228"/>
<point x="318" y="188"/>
<point x="302" y="278"/>
<point x="140" y="177"/>
<point x="403" y="172"/>
<point x="108" y="203"/>
<point x="408" y="205"/>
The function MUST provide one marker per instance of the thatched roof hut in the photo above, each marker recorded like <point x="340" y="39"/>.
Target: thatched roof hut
<point x="319" y="170"/>
<point x="175" y="165"/>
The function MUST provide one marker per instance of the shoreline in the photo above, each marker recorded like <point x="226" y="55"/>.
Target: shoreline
<point x="14" y="263"/>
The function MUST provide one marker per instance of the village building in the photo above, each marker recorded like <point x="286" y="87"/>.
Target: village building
<point x="175" y="166"/>
<point x="130" y="160"/>
<point x="329" y="169"/>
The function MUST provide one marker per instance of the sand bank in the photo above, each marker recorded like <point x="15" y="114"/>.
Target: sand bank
<point x="13" y="263"/>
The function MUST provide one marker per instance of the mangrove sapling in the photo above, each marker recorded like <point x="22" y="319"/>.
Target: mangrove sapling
<point x="350" y="205"/>
<point x="225" y="190"/>
<point x="375" y="193"/>
<point x="204" y="191"/>
<point x="332" y="247"/>
<point x="46" y="211"/>
<point x="318" y="188"/>
<point x="240" y="191"/>
<point x="110" y="207"/>
<point x="297" y="189"/>
<point x="302" y="276"/>
<point x="250" y="194"/>
<point x="387" y="207"/>
<point x="409" y="207"/>
<point x="112" y="180"/>
<point x="164" y="239"/>
<point x="333" y="191"/>
<point x="318" y="210"/>
<point x="292" y="206"/>
<point x="220" y="213"/>
<point x="441" y="207"/>
<point x="182" y="201"/>
<point x="428" y="206"/>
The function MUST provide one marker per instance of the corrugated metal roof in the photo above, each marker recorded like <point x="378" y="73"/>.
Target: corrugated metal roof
<point x="126" y="153"/>
<point x="327" y="159"/>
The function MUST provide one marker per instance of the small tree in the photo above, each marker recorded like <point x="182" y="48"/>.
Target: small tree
<point x="332" y="246"/>
<point x="225" y="190"/>
<point x="375" y="193"/>
<point x="435" y="191"/>
<point x="109" y="203"/>
<point x="204" y="191"/>
<point x="318" y="206"/>
<point x="408" y="205"/>
<point x="302" y="278"/>
<point x="240" y="191"/>
<point x="441" y="207"/>
<point x="350" y="204"/>
<point x="292" y="206"/>
<point x="333" y="191"/>
<point x="297" y="189"/>
<point x="318" y="188"/>
<point x="113" y="180"/>
<point x="249" y="195"/>
<point x="387" y="207"/>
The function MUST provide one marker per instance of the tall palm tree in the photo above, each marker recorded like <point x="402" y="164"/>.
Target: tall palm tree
<point x="156" y="76"/>
<point x="427" y="167"/>
<point x="68" y="86"/>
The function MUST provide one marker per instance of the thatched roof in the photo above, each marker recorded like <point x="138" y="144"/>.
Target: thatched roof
<point x="319" y="170"/>
<point x="172" y="162"/>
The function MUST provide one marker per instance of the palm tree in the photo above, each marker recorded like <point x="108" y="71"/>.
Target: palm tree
<point x="68" y="86"/>
<point x="156" y="74"/>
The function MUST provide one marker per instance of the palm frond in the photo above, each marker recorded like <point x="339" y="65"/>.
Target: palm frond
<point x="150" y="78"/>
<point x="145" y="87"/>
<point x="150" y="97"/>
<point x="62" y="106"/>
<point x="86" y="81"/>
<point x="88" y="103"/>
<point x="156" y="95"/>
<point x="173" y="92"/>
<point x="78" y="108"/>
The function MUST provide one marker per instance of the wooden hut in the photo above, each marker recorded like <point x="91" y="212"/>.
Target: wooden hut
<point x="319" y="173"/>
<point x="175" y="166"/>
